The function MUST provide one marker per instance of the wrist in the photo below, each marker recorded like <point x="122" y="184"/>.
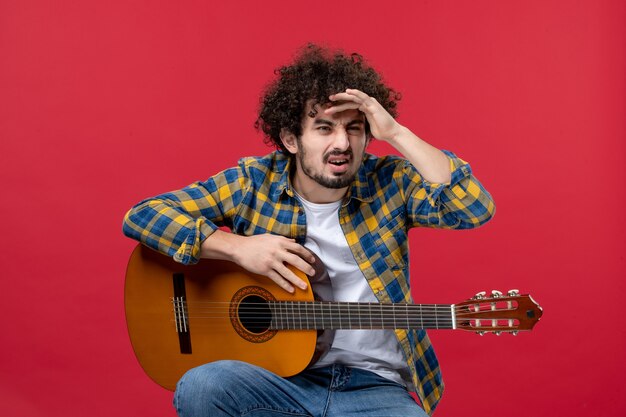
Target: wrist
<point x="220" y="245"/>
<point x="397" y="133"/>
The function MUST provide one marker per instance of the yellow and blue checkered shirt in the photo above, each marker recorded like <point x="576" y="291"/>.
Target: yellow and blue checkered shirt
<point x="387" y="198"/>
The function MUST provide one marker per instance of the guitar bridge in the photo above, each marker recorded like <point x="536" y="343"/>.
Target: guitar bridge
<point x="181" y="314"/>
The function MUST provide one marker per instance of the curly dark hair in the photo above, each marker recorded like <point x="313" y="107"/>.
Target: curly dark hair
<point x="315" y="74"/>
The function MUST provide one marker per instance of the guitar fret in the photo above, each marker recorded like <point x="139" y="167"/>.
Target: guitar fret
<point x="340" y="317"/>
<point x="295" y="317"/>
<point x="395" y="326"/>
<point x="277" y="315"/>
<point x="406" y="310"/>
<point x="300" y="314"/>
<point x="282" y="316"/>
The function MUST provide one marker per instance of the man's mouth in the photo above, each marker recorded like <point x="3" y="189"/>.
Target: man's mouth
<point x="338" y="162"/>
<point x="338" y="159"/>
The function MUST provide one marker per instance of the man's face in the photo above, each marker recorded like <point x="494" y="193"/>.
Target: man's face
<point x="330" y="149"/>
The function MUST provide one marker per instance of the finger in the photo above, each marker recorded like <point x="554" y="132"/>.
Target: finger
<point x="344" y="97"/>
<point x="280" y="281"/>
<point x="342" y="107"/>
<point x="302" y="251"/>
<point x="300" y="264"/>
<point x="358" y="93"/>
<point x="288" y="275"/>
<point x="359" y="96"/>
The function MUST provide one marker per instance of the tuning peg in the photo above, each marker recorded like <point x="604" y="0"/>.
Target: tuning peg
<point x="496" y="293"/>
<point x="512" y="293"/>
<point x="480" y="295"/>
<point x="480" y="333"/>
<point x="514" y="332"/>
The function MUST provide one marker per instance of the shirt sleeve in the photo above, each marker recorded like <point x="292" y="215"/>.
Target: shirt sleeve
<point x="462" y="204"/>
<point x="176" y="223"/>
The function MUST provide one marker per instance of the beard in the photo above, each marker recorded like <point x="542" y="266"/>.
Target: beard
<point x="335" y="182"/>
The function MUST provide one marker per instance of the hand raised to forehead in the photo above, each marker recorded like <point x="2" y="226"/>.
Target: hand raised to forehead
<point x="382" y="125"/>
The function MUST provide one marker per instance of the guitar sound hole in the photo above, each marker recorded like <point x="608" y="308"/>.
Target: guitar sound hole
<point x="254" y="314"/>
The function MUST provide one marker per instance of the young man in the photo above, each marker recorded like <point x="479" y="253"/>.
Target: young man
<point x="321" y="193"/>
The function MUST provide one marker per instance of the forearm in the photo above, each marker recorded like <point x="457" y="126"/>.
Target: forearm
<point x="432" y="164"/>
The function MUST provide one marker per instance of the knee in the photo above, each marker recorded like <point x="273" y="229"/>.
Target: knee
<point x="206" y="375"/>
<point x="207" y="387"/>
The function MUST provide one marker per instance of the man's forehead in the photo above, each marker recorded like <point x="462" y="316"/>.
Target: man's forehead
<point x="316" y="112"/>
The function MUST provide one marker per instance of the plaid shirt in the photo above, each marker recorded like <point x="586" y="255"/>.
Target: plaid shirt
<point x="387" y="198"/>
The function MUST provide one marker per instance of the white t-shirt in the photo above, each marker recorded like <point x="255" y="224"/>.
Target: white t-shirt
<point x="377" y="351"/>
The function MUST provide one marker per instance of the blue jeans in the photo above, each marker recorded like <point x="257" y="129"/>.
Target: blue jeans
<point x="231" y="388"/>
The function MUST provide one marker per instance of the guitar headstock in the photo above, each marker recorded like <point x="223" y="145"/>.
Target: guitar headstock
<point x="498" y="313"/>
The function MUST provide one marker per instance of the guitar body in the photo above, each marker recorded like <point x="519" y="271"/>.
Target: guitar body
<point x="152" y="281"/>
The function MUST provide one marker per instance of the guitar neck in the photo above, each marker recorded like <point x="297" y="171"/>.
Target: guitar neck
<point x="298" y="315"/>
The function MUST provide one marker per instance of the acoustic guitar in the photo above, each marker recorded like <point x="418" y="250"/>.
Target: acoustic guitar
<point x="180" y="317"/>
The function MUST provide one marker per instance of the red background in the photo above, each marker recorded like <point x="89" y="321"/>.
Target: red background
<point x="106" y="102"/>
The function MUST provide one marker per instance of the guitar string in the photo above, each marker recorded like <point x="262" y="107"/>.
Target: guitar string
<point x="328" y="303"/>
<point x="377" y="311"/>
<point x="225" y="306"/>
<point x="347" y="307"/>
<point x="383" y="313"/>
<point x="309" y="308"/>
<point x="296" y="321"/>
<point x="385" y="316"/>
<point x="312" y="308"/>
<point x="486" y="304"/>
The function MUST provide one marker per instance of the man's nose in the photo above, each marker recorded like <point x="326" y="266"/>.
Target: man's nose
<point x="341" y="140"/>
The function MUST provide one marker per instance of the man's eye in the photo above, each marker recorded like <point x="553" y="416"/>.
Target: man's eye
<point x="324" y="128"/>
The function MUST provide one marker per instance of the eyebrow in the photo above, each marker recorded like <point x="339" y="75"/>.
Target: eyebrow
<point x="330" y="123"/>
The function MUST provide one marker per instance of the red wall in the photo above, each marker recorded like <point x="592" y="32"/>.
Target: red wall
<point x="106" y="102"/>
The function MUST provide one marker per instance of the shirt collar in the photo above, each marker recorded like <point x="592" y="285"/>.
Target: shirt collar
<point x="363" y="187"/>
<point x="282" y="167"/>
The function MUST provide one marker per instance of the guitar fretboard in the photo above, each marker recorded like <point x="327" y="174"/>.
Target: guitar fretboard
<point x="319" y="315"/>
